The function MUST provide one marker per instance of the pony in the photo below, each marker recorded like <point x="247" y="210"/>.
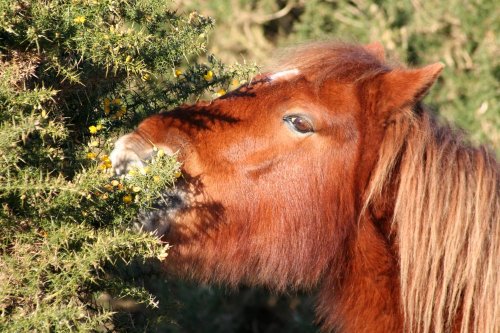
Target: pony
<point x="328" y="174"/>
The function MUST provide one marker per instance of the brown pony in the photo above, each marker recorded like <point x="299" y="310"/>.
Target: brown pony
<point x="328" y="173"/>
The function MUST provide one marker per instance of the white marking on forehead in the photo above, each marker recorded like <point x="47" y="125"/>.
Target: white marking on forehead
<point x="284" y="74"/>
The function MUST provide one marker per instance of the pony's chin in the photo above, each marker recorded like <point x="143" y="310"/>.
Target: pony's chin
<point x="159" y="218"/>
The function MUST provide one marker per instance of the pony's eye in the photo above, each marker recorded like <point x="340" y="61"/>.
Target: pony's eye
<point x="299" y="124"/>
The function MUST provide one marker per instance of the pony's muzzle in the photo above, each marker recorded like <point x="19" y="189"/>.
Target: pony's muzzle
<point x="159" y="218"/>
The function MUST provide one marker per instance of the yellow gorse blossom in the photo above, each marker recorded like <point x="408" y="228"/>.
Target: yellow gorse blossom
<point x="209" y="76"/>
<point x="127" y="199"/>
<point x="220" y="92"/>
<point x="106" y="106"/>
<point x="177" y="73"/>
<point x="94" y="129"/>
<point x="79" y="20"/>
<point x="105" y="163"/>
<point x="91" y="156"/>
<point x="113" y="104"/>
<point x="121" y="113"/>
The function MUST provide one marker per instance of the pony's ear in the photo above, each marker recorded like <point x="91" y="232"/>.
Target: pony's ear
<point x="376" y="49"/>
<point x="401" y="87"/>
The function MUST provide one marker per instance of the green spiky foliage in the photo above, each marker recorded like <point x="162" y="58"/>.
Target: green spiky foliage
<point x="74" y="75"/>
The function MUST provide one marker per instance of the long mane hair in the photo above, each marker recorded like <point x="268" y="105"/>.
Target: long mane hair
<point x="446" y="222"/>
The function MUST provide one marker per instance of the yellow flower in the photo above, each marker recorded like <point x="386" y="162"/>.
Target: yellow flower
<point x="177" y="174"/>
<point x="106" y="163"/>
<point x="99" y="127"/>
<point x="178" y="72"/>
<point x="108" y="187"/>
<point x="115" y="182"/>
<point x="128" y="58"/>
<point x="93" y="129"/>
<point x="220" y="92"/>
<point x="94" y="143"/>
<point x="209" y="76"/>
<point x="145" y="77"/>
<point x="106" y="106"/>
<point x="104" y="196"/>
<point x="91" y="155"/>
<point x="136" y="189"/>
<point x="79" y="20"/>
<point x="120" y="114"/>
<point x="127" y="199"/>
<point x="102" y="167"/>
<point x="132" y="172"/>
<point x="160" y="153"/>
<point x="235" y="82"/>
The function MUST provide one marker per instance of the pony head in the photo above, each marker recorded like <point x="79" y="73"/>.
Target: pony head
<point x="281" y="186"/>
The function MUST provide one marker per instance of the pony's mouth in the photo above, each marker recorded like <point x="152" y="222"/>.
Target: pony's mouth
<point x="159" y="218"/>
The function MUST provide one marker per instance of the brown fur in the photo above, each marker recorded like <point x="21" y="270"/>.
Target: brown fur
<point x="391" y="216"/>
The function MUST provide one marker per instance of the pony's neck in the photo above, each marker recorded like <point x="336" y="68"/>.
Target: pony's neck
<point x="364" y="297"/>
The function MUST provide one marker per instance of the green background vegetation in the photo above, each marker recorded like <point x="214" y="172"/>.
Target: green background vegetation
<point x="74" y="75"/>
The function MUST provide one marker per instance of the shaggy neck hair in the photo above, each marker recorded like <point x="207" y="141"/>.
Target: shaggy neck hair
<point x="446" y="220"/>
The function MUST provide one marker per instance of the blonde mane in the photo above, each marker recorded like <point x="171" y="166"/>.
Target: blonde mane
<point x="447" y="225"/>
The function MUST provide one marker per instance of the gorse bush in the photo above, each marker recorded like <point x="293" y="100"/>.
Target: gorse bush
<point x="73" y="76"/>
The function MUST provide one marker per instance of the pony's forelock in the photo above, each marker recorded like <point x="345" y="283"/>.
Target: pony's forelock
<point x="322" y="61"/>
<point x="446" y="219"/>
